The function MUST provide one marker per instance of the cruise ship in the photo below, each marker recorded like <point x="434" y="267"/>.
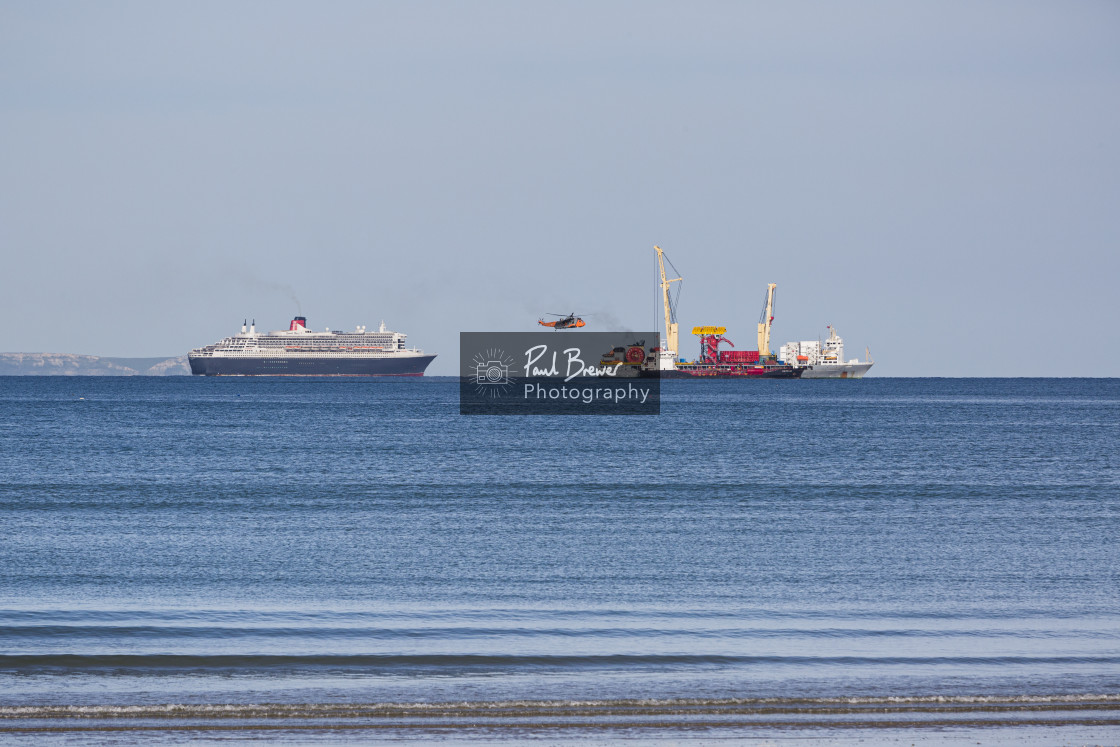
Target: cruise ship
<point x="298" y="351"/>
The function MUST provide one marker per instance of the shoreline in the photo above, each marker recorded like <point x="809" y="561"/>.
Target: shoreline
<point x="1020" y="719"/>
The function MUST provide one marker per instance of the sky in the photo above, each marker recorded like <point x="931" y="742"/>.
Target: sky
<point x="940" y="181"/>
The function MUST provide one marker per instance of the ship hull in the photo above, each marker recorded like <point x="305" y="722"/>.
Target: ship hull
<point x="835" y="371"/>
<point x="412" y="365"/>
<point x="707" y="371"/>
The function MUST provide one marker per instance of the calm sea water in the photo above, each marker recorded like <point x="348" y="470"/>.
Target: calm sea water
<point x="179" y="552"/>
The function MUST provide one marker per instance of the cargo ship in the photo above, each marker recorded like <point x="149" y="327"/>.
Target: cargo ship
<point x="713" y="362"/>
<point x="298" y="351"/>
<point x="824" y="361"/>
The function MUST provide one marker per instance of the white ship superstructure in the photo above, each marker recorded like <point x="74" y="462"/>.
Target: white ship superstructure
<point x="823" y="361"/>
<point x="299" y="351"/>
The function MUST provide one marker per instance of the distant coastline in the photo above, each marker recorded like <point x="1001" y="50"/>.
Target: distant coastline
<point x="72" y="364"/>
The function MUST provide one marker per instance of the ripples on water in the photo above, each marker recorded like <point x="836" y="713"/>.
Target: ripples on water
<point x="831" y="553"/>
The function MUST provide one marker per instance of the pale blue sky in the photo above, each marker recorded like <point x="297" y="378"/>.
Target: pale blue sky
<point x="941" y="181"/>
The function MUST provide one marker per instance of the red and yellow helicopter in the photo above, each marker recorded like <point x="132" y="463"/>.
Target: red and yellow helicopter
<point x="565" y="321"/>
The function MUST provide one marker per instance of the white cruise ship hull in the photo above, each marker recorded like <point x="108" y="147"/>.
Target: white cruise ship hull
<point x="403" y="365"/>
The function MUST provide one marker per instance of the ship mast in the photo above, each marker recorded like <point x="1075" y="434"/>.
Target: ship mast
<point x="670" y="324"/>
<point x="764" y="322"/>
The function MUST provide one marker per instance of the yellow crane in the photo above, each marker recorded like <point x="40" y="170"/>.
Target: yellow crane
<point x="764" y="322"/>
<point x="670" y="321"/>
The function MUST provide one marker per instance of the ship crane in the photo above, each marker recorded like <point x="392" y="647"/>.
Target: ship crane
<point x="765" y="321"/>
<point x="710" y="339"/>
<point x="670" y="312"/>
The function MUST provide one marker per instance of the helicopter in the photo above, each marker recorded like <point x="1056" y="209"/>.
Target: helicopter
<point x="565" y="321"/>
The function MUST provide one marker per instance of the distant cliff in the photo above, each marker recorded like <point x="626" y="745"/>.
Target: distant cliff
<point x="69" y="364"/>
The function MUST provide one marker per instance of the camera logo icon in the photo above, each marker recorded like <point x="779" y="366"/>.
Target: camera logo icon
<point x="492" y="373"/>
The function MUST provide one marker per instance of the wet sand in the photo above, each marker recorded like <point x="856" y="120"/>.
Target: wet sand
<point x="1058" y="719"/>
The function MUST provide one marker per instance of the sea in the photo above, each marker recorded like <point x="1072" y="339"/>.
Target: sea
<point x="878" y="561"/>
